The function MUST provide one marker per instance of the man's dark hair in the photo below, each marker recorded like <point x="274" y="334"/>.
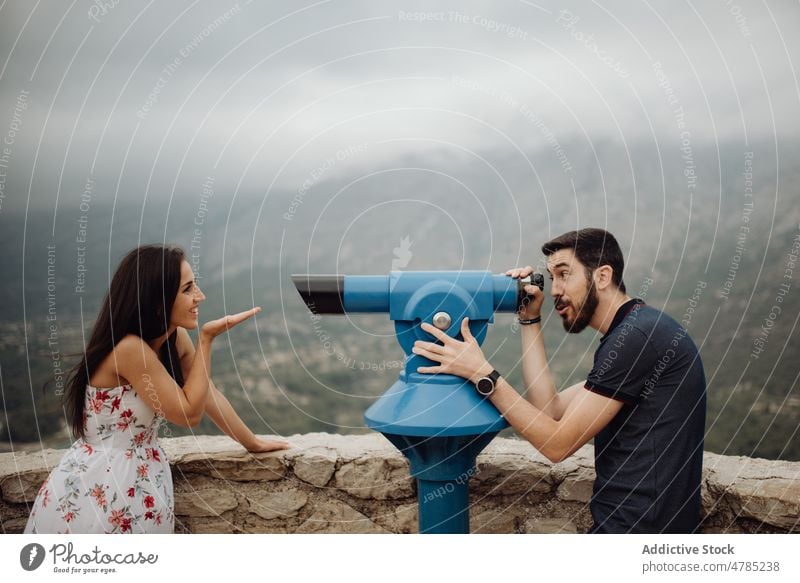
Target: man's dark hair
<point x="593" y="248"/>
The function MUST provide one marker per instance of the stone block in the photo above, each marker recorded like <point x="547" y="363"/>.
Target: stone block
<point x="334" y="516"/>
<point x="550" y="526"/>
<point x="271" y="505"/>
<point x="315" y="466"/>
<point x="510" y="474"/>
<point x="23" y="473"/>
<point x="205" y="502"/>
<point x="205" y="525"/>
<point x="222" y="458"/>
<point x="577" y="485"/>
<point x="402" y="519"/>
<point x="493" y="521"/>
<point x="381" y="477"/>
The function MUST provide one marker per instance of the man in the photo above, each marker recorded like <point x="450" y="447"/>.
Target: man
<point x="643" y="402"/>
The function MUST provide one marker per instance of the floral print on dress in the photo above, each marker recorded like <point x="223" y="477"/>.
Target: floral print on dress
<point x="114" y="480"/>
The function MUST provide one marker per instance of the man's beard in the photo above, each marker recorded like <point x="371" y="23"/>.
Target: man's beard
<point x="585" y="314"/>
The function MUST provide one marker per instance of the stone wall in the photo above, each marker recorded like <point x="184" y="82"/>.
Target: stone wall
<point x="360" y="484"/>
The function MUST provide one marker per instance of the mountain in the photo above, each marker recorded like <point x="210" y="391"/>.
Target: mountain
<point x="710" y="236"/>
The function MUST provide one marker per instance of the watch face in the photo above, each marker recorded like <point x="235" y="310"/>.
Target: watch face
<point x="485" y="386"/>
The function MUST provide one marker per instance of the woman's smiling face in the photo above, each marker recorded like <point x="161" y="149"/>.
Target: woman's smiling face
<point x="185" y="310"/>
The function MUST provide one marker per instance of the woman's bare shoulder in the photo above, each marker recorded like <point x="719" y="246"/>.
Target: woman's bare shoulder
<point x="108" y="373"/>
<point x="130" y="345"/>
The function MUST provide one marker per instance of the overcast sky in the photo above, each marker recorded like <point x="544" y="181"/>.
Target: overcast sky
<point x="157" y="96"/>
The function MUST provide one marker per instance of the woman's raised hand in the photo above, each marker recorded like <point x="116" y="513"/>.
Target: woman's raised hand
<point x="214" y="328"/>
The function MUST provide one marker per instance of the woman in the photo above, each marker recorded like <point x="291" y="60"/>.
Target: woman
<point x="139" y="367"/>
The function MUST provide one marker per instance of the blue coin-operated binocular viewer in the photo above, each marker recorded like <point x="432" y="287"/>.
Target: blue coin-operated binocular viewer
<point x="439" y="422"/>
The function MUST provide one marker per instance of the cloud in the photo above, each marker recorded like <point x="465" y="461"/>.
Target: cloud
<point x="161" y="93"/>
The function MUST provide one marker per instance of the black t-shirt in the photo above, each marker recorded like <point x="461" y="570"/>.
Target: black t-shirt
<point x="649" y="458"/>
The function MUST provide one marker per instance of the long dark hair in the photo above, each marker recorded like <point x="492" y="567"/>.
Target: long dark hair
<point x="139" y="301"/>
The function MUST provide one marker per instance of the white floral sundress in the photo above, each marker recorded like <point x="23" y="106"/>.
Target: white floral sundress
<point x="114" y="480"/>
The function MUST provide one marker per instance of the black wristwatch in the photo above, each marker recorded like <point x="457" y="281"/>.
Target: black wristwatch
<point x="486" y="385"/>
